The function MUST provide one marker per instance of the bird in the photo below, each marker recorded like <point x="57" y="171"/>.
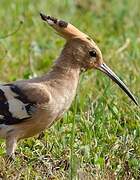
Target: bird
<point x="28" y="107"/>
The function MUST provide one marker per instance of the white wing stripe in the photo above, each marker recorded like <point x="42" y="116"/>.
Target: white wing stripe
<point x="17" y="108"/>
<point x="9" y="94"/>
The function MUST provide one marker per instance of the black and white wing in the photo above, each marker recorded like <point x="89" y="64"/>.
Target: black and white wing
<point x="14" y="105"/>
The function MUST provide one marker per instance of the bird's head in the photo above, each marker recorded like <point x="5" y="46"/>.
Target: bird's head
<point x="84" y="51"/>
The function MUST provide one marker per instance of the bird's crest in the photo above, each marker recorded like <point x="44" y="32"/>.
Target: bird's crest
<point x="65" y="29"/>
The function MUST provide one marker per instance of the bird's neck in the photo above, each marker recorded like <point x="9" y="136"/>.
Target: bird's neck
<point x="64" y="77"/>
<point x="65" y="67"/>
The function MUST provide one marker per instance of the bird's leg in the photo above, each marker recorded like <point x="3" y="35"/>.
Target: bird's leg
<point x="11" y="143"/>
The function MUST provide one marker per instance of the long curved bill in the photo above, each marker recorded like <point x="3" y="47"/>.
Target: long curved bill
<point x="105" y="69"/>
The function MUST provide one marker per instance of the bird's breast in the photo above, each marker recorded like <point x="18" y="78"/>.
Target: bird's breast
<point x="60" y="101"/>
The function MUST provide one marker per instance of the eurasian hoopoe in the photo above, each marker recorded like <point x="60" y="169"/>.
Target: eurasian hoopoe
<point x="28" y="107"/>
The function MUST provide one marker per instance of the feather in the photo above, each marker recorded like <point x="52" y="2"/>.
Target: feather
<point x="14" y="105"/>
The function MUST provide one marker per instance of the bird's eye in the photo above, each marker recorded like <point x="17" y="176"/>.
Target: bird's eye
<point x="93" y="53"/>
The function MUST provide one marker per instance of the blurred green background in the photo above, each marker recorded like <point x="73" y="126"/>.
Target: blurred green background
<point x="99" y="138"/>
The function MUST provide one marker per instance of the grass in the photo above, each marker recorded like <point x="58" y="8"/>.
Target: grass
<point x="99" y="137"/>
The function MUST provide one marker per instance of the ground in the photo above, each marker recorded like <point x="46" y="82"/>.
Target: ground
<point x="99" y="137"/>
